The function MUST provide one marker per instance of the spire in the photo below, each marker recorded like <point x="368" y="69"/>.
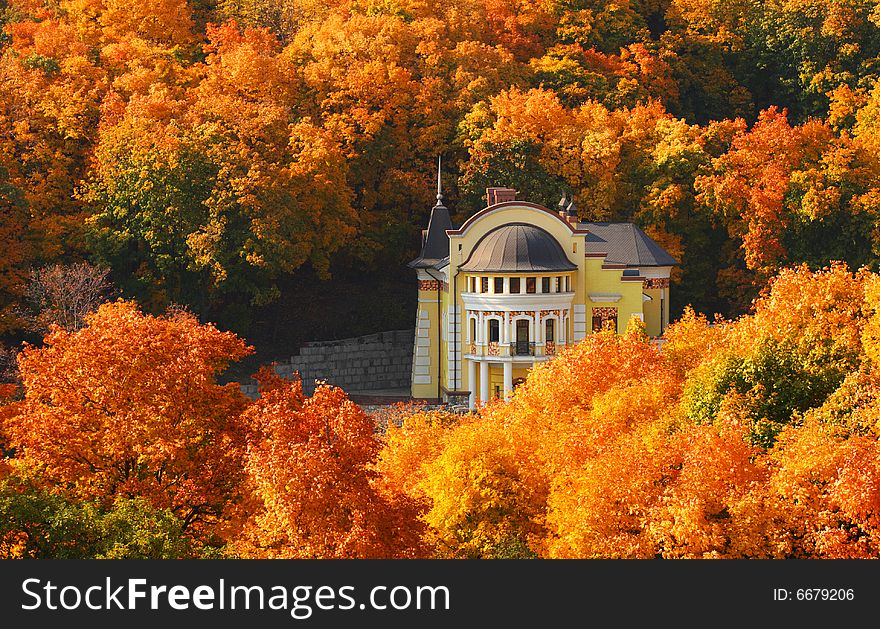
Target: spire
<point x="439" y="184"/>
<point x="435" y="241"/>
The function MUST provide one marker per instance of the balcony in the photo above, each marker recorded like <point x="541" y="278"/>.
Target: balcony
<point x="513" y="349"/>
<point x="522" y="348"/>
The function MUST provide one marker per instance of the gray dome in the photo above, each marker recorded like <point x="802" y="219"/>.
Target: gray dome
<point x="517" y="248"/>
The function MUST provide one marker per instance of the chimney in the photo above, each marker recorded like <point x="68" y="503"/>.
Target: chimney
<point x="500" y="195"/>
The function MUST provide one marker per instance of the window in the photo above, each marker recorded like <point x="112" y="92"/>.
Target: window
<point x="545" y="284"/>
<point x="549" y="329"/>
<point x="484" y="284"/>
<point x="499" y="285"/>
<point x="473" y="330"/>
<point x="558" y="283"/>
<point x="567" y="285"/>
<point x="494" y="331"/>
<point x="531" y="284"/>
<point x="514" y="285"/>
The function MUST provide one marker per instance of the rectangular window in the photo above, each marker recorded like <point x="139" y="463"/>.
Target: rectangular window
<point x="549" y="329"/>
<point x="567" y="285"/>
<point x="514" y="285"/>
<point x="545" y="284"/>
<point x="531" y="284"/>
<point x="499" y="285"/>
<point x="484" y="284"/>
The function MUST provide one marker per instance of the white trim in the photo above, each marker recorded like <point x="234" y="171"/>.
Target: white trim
<point x="509" y="205"/>
<point x="522" y="301"/>
<point x="597" y="298"/>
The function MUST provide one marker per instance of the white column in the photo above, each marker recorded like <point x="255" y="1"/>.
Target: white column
<point x="508" y="379"/>
<point x="484" y="381"/>
<point x="472" y="383"/>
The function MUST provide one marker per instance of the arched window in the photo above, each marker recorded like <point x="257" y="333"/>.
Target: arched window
<point x="494" y="331"/>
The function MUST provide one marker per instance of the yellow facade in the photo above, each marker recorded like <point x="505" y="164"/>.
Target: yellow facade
<point x="518" y="283"/>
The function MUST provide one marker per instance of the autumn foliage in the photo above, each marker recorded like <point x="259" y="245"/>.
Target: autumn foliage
<point x="129" y="406"/>
<point x="207" y="153"/>
<point x="210" y="156"/>
<point x="310" y="463"/>
<point x="748" y="438"/>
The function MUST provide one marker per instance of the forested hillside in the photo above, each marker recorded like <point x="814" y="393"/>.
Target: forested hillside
<point x="187" y="185"/>
<point x="220" y="155"/>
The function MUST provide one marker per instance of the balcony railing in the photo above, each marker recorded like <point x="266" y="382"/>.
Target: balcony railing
<point x="522" y="348"/>
<point x="515" y="348"/>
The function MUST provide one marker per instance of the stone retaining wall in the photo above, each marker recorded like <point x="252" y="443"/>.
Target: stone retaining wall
<point x="365" y="363"/>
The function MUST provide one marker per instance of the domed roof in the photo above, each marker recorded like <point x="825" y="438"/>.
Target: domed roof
<point x="516" y="248"/>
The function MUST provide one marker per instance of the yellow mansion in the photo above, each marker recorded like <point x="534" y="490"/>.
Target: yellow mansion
<point x="518" y="281"/>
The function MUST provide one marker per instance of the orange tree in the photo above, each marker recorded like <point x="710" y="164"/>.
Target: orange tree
<point x="129" y="406"/>
<point x="310" y="464"/>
